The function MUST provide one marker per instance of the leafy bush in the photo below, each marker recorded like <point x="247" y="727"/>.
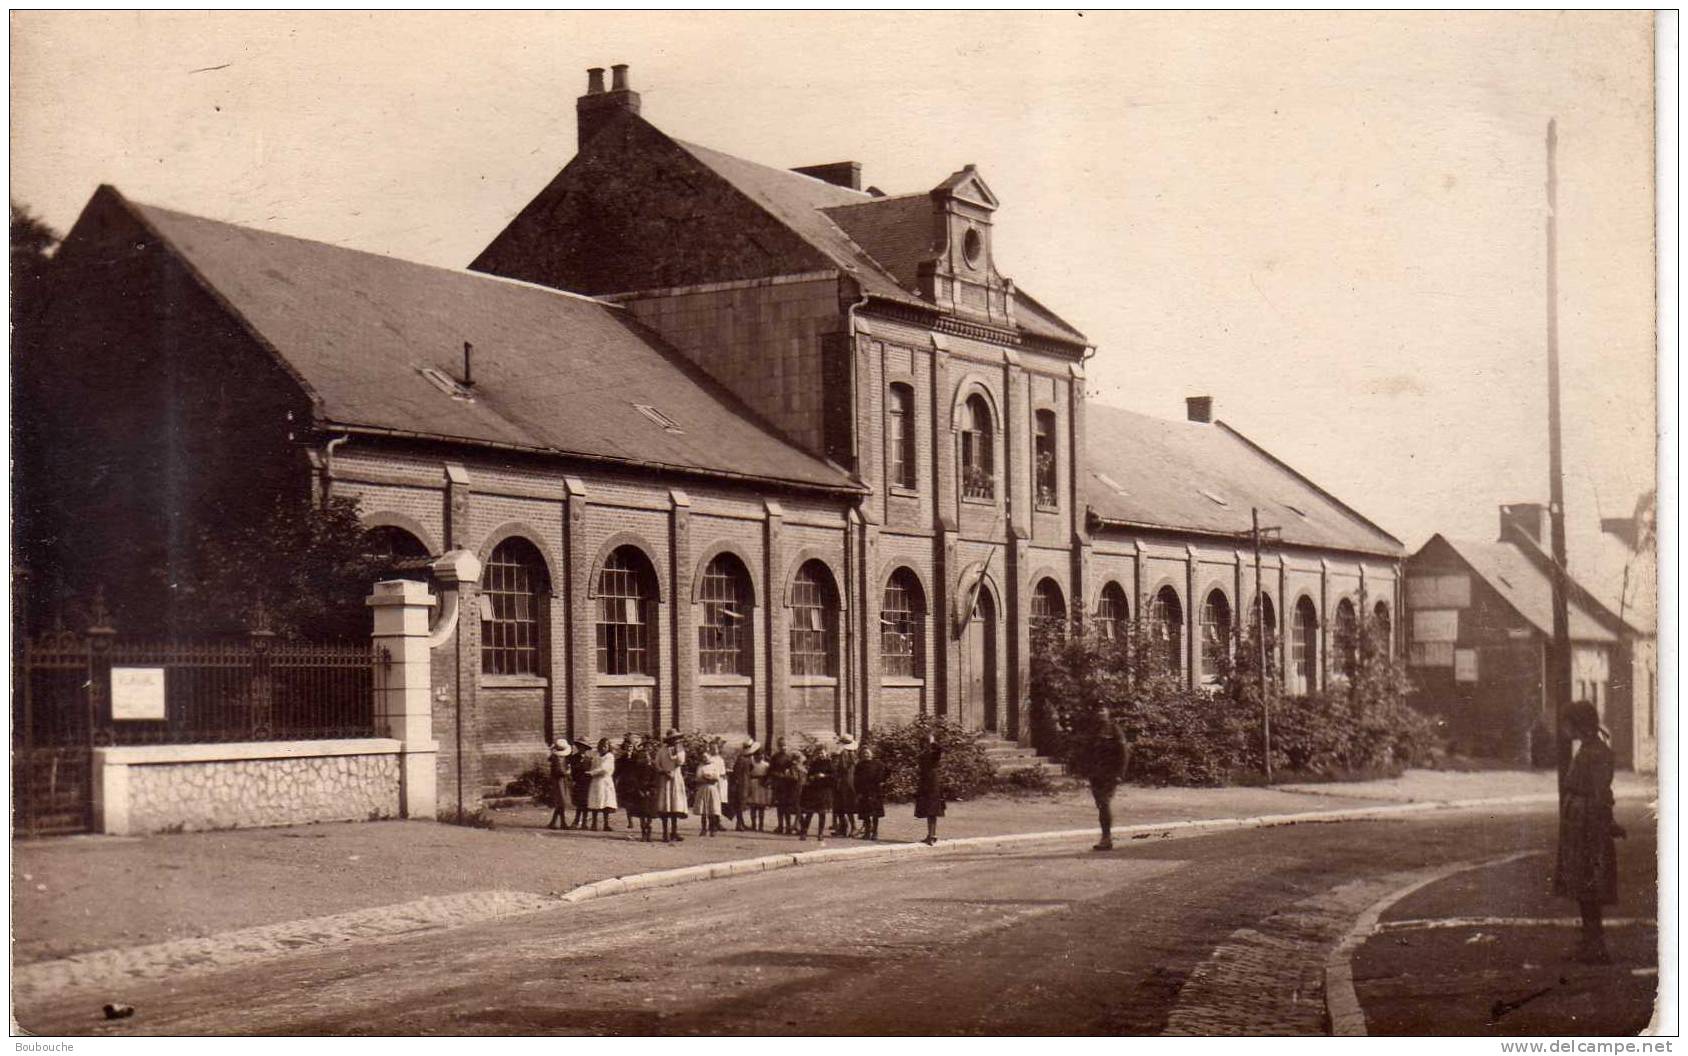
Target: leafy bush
<point x="535" y="781"/>
<point x="965" y="770"/>
<point x="1211" y="736"/>
<point x="1029" y="780"/>
<point x="473" y="819"/>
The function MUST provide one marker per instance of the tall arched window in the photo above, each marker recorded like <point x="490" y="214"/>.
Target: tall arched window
<point x="1112" y="612"/>
<point x="626" y="614"/>
<point x="1216" y="634"/>
<point x="1347" y="637"/>
<point x="1304" y="645"/>
<point x="724" y="625"/>
<point x="902" y="626"/>
<point x="1045" y="460"/>
<point x="978" y="450"/>
<point x="814" y="621"/>
<point x="1049" y="607"/>
<point x="899" y="435"/>
<point x="1167" y="626"/>
<point x="513" y="595"/>
<point x="1385" y="628"/>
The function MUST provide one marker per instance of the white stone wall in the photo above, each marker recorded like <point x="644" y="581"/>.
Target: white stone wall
<point x="248" y="793"/>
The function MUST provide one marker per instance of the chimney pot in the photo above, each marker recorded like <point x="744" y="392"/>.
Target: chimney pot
<point x="618" y="73"/>
<point x="1198" y="408"/>
<point x="594" y="80"/>
<point x="597" y="107"/>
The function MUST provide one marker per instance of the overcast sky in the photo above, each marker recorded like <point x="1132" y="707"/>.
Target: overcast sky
<point x="1332" y="223"/>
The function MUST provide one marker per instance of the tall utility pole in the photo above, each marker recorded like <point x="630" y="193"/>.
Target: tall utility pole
<point x="1559" y="661"/>
<point x="1260" y="639"/>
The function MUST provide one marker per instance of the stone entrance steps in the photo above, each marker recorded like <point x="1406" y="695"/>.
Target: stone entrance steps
<point x="1009" y="756"/>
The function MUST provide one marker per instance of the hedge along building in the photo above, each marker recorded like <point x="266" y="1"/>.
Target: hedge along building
<point x="740" y="449"/>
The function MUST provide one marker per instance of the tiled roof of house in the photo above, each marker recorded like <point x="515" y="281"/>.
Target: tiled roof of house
<point x="553" y="372"/>
<point x="1191" y="476"/>
<point x="1526" y="587"/>
<point x="877" y="241"/>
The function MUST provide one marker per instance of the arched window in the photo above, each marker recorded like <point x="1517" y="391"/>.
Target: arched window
<point x="1049" y="608"/>
<point x="724" y="625"/>
<point x="397" y="552"/>
<point x="1216" y="635"/>
<point x="902" y="626"/>
<point x="899" y="435"/>
<point x="1112" y="612"/>
<point x="1385" y="629"/>
<point x="513" y="595"/>
<point x="1045" y="460"/>
<point x="626" y="614"/>
<point x="1347" y="637"/>
<point x="978" y="450"/>
<point x="1167" y="626"/>
<point x="814" y="621"/>
<point x="1304" y="646"/>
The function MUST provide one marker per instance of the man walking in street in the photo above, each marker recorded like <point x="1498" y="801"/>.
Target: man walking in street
<point x="1103" y="759"/>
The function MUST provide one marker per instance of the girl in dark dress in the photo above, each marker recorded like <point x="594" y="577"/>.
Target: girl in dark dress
<point x="870" y="793"/>
<point x="796" y="779"/>
<point x="929" y="788"/>
<point x="844" y="787"/>
<point x="779" y="776"/>
<point x="624" y="774"/>
<point x="580" y="778"/>
<point x="738" y="795"/>
<point x="641" y="787"/>
<point x="560" y="785"/>
<point x="817" y="796"/>
<point x="1587" y="869"/>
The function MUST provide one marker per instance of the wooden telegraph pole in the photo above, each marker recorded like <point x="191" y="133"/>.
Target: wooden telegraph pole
<point x="1260" y="640"/>
<point x="1559" y="662"/>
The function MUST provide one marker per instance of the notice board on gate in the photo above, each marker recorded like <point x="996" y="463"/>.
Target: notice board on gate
<point x="137" y="693"/>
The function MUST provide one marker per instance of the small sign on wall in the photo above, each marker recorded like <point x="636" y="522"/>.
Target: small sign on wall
<point x="137" y="693"/>
<point x="1465" y="665"/>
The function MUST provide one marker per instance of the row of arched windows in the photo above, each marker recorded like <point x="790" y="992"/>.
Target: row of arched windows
<point x="516" y="590"/>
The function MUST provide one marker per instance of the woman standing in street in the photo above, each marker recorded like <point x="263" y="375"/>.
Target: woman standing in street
<point x="600" y="797"/>
<point x="929" y="788"/>
<point x="1587" y="869"/>
<point x="844" y="787"/>
<point x="560" y="782"/>
<point x="870" y="793"/>
<point x="671" y="786"/>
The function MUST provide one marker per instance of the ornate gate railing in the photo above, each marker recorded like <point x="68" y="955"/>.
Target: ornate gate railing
<point x="260" y="688"/>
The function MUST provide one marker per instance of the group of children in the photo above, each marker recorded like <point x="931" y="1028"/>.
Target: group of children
<point x="651" y="781"/>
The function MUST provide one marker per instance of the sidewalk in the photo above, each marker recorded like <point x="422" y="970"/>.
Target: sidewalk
<point x="78" y="894"/>
<point x="1486" y="952"/>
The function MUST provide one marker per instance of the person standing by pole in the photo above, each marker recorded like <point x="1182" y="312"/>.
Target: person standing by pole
<point x="1587" y="868"/>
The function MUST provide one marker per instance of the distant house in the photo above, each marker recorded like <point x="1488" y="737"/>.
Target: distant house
<point x="1481" y="622"/>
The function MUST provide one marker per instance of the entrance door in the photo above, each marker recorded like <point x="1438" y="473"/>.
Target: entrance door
<point x="980" y="697"/>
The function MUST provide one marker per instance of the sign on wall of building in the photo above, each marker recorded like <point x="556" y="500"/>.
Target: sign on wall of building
<point x="1439" y="592"/>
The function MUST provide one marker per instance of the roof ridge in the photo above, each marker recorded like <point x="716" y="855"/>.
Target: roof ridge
<point x="467" y="272"/>
<point x="792" y="173"/>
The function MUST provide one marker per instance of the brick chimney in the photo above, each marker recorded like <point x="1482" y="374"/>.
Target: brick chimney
<point x="595" y="109"/>
<point x="1199" y="408"/>
<point x="1530" y="518"/>
<point x="839" y="173"/>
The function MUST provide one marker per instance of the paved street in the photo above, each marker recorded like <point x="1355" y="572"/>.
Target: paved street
<point x="1222" y="933"/>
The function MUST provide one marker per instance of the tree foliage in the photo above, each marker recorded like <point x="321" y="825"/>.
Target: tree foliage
<point x="1083" y="679"/>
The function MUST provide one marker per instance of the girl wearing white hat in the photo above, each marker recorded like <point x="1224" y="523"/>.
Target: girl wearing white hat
<point x="560" y="805"/>
<point x="600" y="798"/>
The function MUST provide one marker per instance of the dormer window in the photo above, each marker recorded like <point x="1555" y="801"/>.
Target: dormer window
<point x="973" y="247"/>
<point x="978" y="466"/>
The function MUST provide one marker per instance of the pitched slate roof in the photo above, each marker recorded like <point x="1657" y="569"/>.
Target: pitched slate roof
<point x="877" y="241"/>
<point x="1526" y="587"/>
<point x="1191" y="476"/>
<point x="554" y="372"/>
